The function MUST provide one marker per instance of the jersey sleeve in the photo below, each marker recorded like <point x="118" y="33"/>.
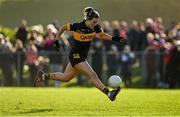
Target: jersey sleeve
<point x="98" y="29"/>
<point x="72" y="27"/>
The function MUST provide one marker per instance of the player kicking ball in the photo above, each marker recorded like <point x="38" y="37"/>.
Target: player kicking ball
<point x="83" y="34"/>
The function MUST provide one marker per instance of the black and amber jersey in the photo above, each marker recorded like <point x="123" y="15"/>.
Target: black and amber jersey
<point x="82" y="37"/>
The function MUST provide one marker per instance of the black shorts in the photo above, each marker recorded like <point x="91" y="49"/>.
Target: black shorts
<point x="75" y="58"/>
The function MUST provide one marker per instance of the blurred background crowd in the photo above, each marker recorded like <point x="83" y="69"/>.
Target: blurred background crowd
<point x="150" y="56"/>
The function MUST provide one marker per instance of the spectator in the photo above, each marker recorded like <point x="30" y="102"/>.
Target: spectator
<point x="112" y="61"/>
<point x="115" y="27"/>
<point x="22" y="32"/>
<point x="174" y="66"/>
<point x="150" y="26"/>
<point x="31" y="58"/>
<point x="48" y="41"/>
<point x="142" y="45"/>
<point x="178" y="32"/>
<point x="158" y="28"/>
<point x="151" y="61"/>
<point x="36" y="34"/>
<point x="123" y="29"/>
<point x="167" y="57"/>
<point x="142" y="37"/>
<point x="97" y="58"/>
<point x="119" y="29"/>
<point x="171" y="31"/>
<point x="107" y="29"/>
<point x="19" y="59"/>
<point x="134" y="36"/>
<point x="137" y="39"/>
<point x="126" y="60"/>
<point x="6" y="60"/>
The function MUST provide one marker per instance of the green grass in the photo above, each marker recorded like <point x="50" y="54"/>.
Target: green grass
<point x="87" y="101"/>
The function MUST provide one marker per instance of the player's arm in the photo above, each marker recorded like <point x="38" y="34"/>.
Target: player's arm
<point x="102" y="35"/>
<point x="106" y="36"/>
<point x="61" y="31"/>
<point x="60" y="38"/>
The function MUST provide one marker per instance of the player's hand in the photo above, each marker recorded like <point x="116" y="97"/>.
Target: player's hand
<point x="59" y="45"/>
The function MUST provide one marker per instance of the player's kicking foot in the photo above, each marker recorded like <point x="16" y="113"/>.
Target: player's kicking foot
<point x="112" y="94"/>
<point x="39" y="78"/>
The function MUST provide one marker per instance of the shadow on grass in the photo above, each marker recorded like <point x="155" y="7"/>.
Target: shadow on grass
<point x="36" y="111"/>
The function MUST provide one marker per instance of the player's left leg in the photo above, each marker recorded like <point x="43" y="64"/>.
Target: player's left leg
<point x="86" y="68"/>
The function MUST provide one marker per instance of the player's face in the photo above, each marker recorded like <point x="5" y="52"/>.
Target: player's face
<point x="93" y="22"/>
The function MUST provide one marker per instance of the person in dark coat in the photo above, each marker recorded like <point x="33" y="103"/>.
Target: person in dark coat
<point x="19" y="59"/>
<point x="126" y="60"/>
<point x="174" y="66"/>
<point x="6" y="60"/>
<point x="22" y="32"/>
<point x="97" y="58"/>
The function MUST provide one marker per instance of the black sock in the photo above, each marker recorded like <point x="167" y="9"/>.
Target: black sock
<point x="106" y="91"/>
<point x="47" y="76"/>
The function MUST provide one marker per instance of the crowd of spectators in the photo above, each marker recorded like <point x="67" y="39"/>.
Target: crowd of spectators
<point x="149" y="45"/>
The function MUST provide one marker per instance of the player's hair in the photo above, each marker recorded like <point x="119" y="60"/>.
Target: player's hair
<point x="90" y="13"/>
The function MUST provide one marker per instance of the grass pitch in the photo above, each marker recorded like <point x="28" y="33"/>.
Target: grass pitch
<point x="87" y="102"/>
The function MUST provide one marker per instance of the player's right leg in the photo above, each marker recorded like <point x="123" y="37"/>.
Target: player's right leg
<point x="68" y="74"/>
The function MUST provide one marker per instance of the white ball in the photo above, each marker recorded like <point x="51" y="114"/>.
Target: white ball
<point x="114" y="81"/>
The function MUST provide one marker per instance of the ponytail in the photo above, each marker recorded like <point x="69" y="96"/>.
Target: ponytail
<point x="90" y="13"/>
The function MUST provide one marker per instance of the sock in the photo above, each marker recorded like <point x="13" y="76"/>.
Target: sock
<point x="105" y="91"/>
<point x="46" y="76"/>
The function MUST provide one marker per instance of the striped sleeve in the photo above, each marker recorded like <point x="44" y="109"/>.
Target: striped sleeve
<point x="72" y="27"/>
